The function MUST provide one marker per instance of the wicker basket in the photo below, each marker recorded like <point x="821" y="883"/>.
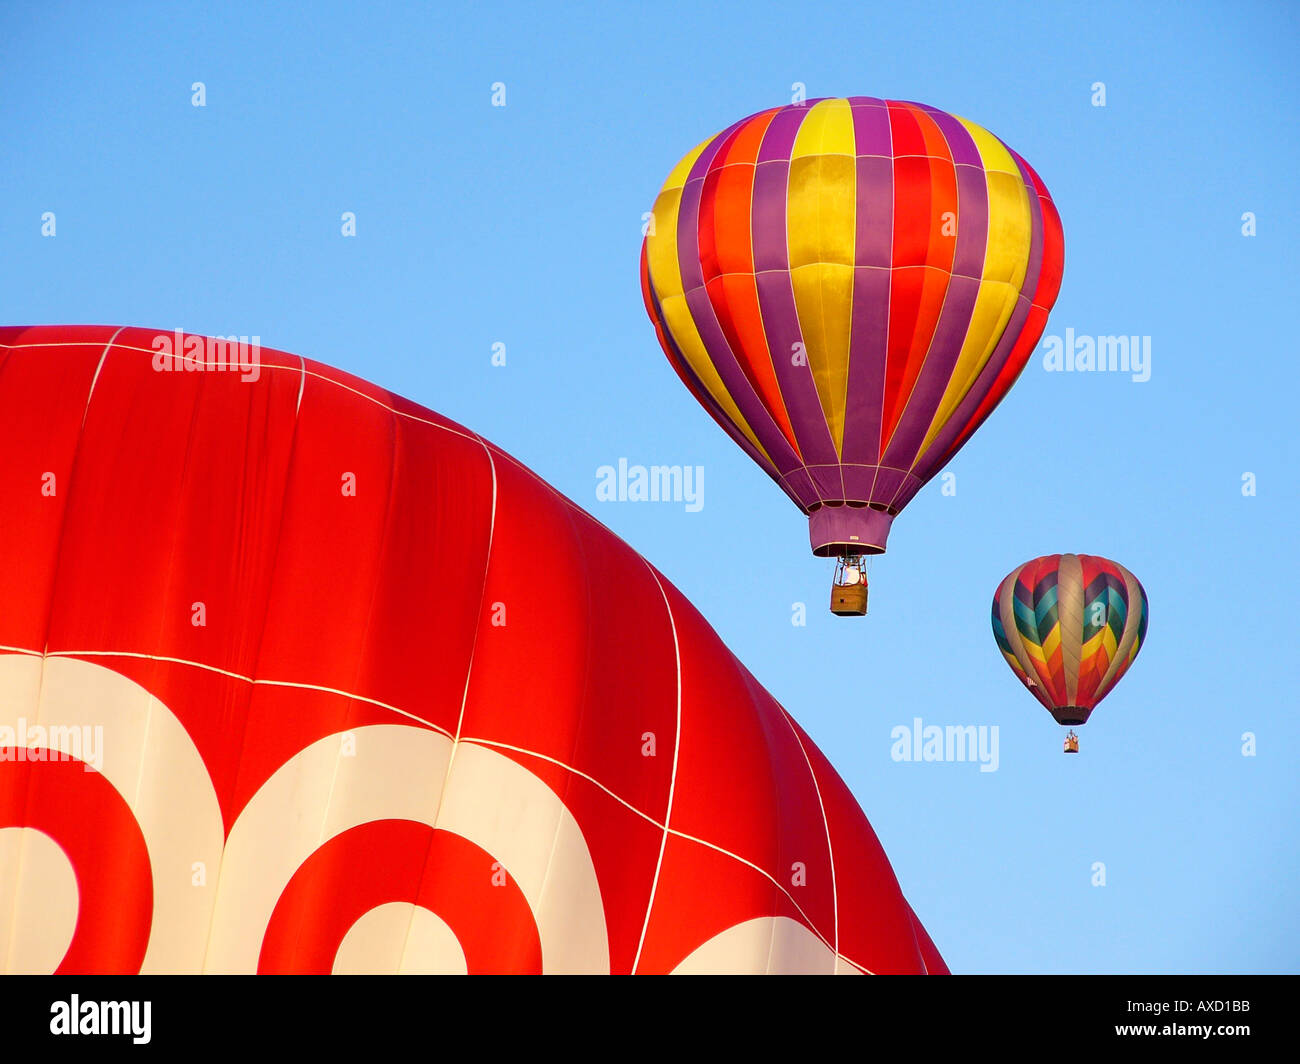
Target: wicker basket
<point x="849" y="600"/>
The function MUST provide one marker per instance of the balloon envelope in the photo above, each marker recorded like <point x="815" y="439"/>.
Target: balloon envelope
<point x="849" y="286"/>
<point x="276" y="696"/>
<point x="1070" y="625"/>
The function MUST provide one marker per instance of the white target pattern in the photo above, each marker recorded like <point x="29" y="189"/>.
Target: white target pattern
<point x="214" y="897"/>
<point x="215" y="922"/>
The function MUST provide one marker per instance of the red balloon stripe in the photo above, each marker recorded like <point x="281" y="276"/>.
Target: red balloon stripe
<point x="401" y="861"/>
<point x="82" y="812"/>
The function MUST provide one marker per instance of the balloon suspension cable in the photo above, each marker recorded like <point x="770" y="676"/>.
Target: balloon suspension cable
<point x="850" y="569"/>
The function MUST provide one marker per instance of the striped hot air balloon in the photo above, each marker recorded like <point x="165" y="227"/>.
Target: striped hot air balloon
<point x="849" y="286"/>
<point x="261" y="711"/>
<point x="1070" y="626"/>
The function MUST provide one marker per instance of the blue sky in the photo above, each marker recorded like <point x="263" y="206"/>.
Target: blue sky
<point x="521" y="225"/>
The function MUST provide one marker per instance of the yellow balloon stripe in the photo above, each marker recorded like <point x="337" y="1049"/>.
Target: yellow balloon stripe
<point x="1006" y="260"/>
<point x="1052" y="642"/>
<point x="1109" y="642"/>
<point x="1037" y="653"/>
<point x="821" y="212"/>
<point x="1099" y="642"/>
<point x="666" y="280"/>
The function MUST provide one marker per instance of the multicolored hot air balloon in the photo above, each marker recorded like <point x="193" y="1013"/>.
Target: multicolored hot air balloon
<point x="849" y="286"/>
<point x="1070" y="626"/>
<point x="274" y="698"/>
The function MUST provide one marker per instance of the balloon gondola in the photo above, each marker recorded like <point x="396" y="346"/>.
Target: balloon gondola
<point x="849" y="586"/>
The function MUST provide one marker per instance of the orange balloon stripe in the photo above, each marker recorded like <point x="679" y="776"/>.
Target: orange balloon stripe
<point x="724" y="212"/>
<point x="901" y="369"/>
<point x="727" y="259"/>
<point x="747" y="140"/>
<point x="905" y="129"/>
<point x="925" y="191"/>
<point x="943" y="226"/>
<point x="1091" y="670"/>
<point x="1049" y="285"/>
<point x="684" y="374"/>
<point x="708" y="250"/>
<point x="745" y="332"/>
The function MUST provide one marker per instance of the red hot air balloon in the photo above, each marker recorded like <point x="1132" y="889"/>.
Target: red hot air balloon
<point x="1070" y="625"/>
<point x="849" y="286"/>
<point x="272" y="700"/>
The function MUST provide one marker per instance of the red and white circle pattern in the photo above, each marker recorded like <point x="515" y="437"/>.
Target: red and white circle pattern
<point x="325" y="869"/>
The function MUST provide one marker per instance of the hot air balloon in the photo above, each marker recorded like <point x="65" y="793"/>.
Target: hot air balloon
<point x="273" y="699"/>
<point x="1070" y="625"/>
<point x="849" y="287"/>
